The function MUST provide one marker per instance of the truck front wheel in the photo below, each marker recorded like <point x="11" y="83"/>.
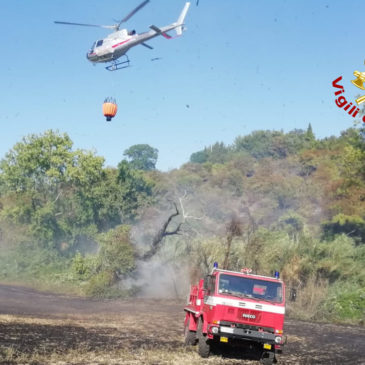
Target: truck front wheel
<point x="268" y="358"/>
<point x="204" y="345"/>
<point x="190" y="336"/>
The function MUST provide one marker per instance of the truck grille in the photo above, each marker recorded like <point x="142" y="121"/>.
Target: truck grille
<point x="249" y="315"/>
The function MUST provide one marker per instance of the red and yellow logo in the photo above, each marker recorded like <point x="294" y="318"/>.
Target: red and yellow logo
<point x="359" y="82"/>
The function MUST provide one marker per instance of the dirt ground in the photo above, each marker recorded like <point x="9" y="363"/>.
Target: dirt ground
<point x="45" y="328"/>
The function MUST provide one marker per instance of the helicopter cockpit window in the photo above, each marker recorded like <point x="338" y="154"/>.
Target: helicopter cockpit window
<point x="132" y="32"/>
<point x="99" y="43"/>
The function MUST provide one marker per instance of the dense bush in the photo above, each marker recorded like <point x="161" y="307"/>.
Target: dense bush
<point x="345" y="302"/>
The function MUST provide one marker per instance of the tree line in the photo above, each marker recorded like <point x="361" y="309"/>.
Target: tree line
<point x="271" y="200"/>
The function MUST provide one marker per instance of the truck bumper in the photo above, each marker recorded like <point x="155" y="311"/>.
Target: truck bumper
<point x="247" y="334"/>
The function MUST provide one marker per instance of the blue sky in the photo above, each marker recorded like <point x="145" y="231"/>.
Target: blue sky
<point x="240" y="66"/>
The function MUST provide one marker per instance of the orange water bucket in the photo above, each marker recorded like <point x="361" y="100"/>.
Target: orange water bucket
<point x="110" y="109"/>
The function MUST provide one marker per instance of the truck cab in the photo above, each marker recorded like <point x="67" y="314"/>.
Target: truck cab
<point x="236" y="307"/>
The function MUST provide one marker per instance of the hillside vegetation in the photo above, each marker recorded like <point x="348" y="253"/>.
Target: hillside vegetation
<point x="270" y="201"/>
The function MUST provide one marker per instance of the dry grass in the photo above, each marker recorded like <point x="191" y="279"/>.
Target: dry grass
<point x="309" y="300"/>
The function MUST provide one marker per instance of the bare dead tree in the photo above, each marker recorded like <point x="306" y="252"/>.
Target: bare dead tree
<point x="233" y="229"/>
<point x="164" y="232"/>
<point x="186" y="215"/>
<point x="251" y="227"/>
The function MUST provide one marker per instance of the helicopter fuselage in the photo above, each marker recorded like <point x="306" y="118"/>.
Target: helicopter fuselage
<point x="118" y="43"/>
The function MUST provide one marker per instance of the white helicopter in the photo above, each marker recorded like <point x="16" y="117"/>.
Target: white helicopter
<point x="116" y="44"/>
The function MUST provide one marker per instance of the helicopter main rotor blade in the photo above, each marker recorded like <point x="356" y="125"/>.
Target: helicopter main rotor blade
<point x="139" y="7"/>
<point x="88" y="25"/>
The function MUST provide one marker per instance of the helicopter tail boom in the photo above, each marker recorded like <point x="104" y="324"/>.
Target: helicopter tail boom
<point x="159" y="31"/>
<point x="180" y="20"/>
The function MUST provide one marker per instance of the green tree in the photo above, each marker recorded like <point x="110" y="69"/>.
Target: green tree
<point x="37" y="163"/>
<point x="115" y="259"/>
<point x="310" y="135"/>
<point x="352" y="226"/>
<point x="56" y="192"/>
<point x="216" y="153"/>
<point x="116" y="251"/>
<point x="200" y="156"/>
<point x="142" y="157"/>
<point x="32" y="174"/>
<point x="262" y="144"/>
<point x="135" y="190"/>
<point x="276" y="144"/>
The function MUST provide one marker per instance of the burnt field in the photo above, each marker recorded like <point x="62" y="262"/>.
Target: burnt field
<point x="44" y="328"/>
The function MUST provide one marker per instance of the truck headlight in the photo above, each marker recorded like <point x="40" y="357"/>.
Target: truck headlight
<point x="215" y="330"/>
<point x="277" y="339"/>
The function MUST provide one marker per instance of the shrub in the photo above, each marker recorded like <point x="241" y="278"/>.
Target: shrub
<point x="345" y="302"/>
<point x="99" y="285"/>
<point x="83" y="267"/>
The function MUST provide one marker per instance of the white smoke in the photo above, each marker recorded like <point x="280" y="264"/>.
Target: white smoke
<point x="158" y="279"/>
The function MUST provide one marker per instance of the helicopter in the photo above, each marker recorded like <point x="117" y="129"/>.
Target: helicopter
<point x="114" y="47"/>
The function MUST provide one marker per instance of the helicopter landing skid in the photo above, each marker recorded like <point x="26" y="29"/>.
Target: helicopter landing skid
<point x="118" y="65"/>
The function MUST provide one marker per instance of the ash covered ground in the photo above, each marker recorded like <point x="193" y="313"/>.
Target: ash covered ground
<point x="46" y="328"/>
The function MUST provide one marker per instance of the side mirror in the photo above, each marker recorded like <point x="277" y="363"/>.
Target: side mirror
<point x="207" y="282"/>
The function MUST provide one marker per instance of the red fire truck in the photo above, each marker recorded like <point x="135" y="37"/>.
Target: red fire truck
<point x="239" y="308"/>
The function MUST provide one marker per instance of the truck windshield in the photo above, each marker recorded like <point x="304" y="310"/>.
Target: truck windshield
<point x="250" y="288"/>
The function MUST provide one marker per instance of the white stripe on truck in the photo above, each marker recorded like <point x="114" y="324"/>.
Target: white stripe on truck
<point x="210" y="300"/>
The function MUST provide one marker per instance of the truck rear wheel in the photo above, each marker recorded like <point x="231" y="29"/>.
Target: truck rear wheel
<point x="204" y="345"/>
<point x="190" y="336"/>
